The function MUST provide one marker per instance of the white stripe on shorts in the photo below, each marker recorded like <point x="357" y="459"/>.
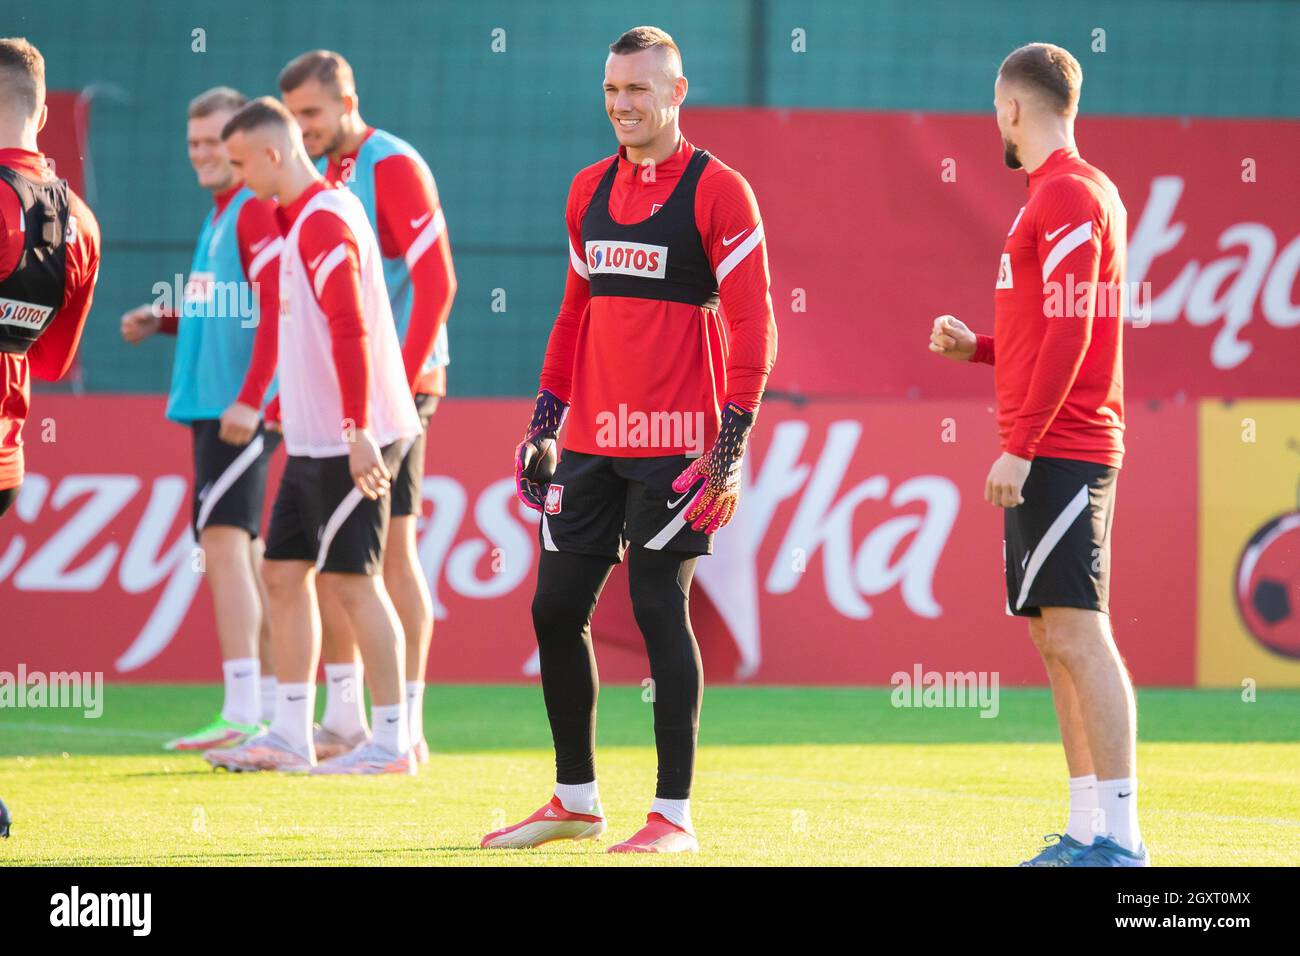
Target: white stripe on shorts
<point x="340" y="515"/>
<point x="1049" y="541"/>
<point x="232" y="474"/>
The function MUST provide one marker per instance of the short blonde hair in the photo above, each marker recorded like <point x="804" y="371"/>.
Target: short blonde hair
<point x="219" y="99"/>
<point x="1052" y="70"/>
<point x="22" y="75"/>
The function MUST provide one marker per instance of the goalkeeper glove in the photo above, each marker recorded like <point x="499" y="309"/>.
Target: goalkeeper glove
<point x="719" y="467"/>
<point x="535" y="456"/>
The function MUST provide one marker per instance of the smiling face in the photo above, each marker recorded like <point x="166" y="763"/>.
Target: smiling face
<point x="255" y="158"/>
<point x="643" y="91"/>
<point x="320" y="116"/>
<point x="208" y="153"/>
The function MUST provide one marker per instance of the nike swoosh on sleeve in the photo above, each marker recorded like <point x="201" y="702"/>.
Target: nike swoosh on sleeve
<point x="417" y="223"/>
<point x="1050" y="236"/>
<point x="727" y="242"/>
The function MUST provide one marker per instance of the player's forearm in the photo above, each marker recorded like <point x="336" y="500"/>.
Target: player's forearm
<point x="984" y="350"/>
<point x="562" y="346"/>
<point x="341" y="302"/>
<point x="751" y="327"/>
<point x="750" y="359"/>
<point x="351" y="350"/>
<point x="266" y="344"/>
<point x="433" y="288"/>
<point x="51" y="355"/>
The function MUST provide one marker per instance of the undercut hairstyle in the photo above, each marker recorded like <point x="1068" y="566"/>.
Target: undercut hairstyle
<point x="219" y="99"/>
<point x="646" y="38"/>
<point x="326" y="67"/>
<point x="263" y="111"/>
<point x="22" y="76"/>
<point x="1051" y="70"/>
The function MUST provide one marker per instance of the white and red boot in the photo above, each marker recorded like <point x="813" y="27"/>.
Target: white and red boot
<point x="551" y="822"/>
<point x="658" y="836"/>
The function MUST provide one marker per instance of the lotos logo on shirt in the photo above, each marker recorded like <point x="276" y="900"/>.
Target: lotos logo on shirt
<point x="627" y="258"/>
<point x="554" y="498"/>
<point x="27" y="315"/>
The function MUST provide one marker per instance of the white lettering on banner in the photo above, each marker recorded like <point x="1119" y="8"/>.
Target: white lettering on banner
<point x="899" y="552"/>
<point x="47" y="569"/>
<point x="821" y="523"/>
<point x="492" y="512"/>
<point x="1222" y="290"/>
<point x="141" y="570"/>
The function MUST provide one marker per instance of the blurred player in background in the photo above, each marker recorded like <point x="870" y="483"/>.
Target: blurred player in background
<point x="49" y="257"/>
<point x="1056" y="351"/>
<point x="660" y="236"/>
<point x="348" y="418"/>
<point x="224" y="362"/>
<point x="401" y="202"/>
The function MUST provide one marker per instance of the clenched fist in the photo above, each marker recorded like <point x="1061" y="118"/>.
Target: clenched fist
<point x="951" y="339"/>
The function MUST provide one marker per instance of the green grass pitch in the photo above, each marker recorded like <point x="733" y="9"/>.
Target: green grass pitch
<point x="785" y="776"/>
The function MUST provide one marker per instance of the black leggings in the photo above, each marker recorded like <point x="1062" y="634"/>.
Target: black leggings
<point x="7" y="498"/>
<point x="568" y="586"/>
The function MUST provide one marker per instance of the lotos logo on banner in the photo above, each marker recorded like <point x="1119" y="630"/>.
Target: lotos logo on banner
<point x="627" y="258"/>
<point x="861" y="545"/>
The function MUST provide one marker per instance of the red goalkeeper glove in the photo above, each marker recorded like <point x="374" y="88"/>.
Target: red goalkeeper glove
<point x="535" y="456"/>
<point x="719" y="467"/>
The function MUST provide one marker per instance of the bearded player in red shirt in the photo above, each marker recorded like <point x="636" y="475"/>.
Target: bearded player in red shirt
<point x="1056" y="352"/>
<point x="659" y="355"/>
<point x="49" y="257"/>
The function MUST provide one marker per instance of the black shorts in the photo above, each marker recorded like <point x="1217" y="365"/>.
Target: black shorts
<point x="409" y="477"/>
<point x="229" y="480"/>
<point x="597" y="505"/>
<point x="1057" y="544"/>
<point x="321" y="516"/>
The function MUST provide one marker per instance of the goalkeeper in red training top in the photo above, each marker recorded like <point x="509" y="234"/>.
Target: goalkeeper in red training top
<point x="659" y="357"/>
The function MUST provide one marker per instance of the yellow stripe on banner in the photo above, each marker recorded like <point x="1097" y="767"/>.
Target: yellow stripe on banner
<point x="1248" y="621"/>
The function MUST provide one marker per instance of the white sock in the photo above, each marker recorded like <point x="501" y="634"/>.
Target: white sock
<point x="1085" y="820"/>
<point x="580" y="798"/>
<point x="294" y="706"/>
<point x="241" y="675"/>
<point x="345" y="700"/>
<point x="268" y="699"/>
<point x="1118" y="801"/>
<point x="674" y="811"/>
<point x="415" y="709"/>
<point x="389" y="727"/>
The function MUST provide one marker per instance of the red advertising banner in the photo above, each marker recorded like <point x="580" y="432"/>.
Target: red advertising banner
<point x="862" y="547"/>
<point x="878" y="222"/>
